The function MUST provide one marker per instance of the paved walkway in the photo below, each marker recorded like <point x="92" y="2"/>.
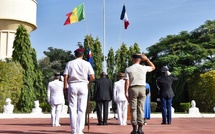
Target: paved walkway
<point x="42" y="126"/>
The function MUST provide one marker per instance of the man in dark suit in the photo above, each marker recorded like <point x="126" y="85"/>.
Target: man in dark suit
<point x="103" y="93"/>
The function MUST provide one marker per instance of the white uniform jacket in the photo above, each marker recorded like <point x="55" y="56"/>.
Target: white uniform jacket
<point x="55" y="94"/>
<point x="119" y="91"/>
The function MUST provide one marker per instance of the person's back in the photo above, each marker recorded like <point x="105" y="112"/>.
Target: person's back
<point x="164" y="83"/>
<point x="56" y="95"/>
<point x="103" y="93"/>
<point x="135" y="82"/>
<point x="119" y="90"/>
<point x="166" y="94"/>
<point x="78" y="68"/>
<point x="120" y="99"/>
<point x="137" y="74"/>
<point x="103" y="89"/>
<point x="76" y="87"/>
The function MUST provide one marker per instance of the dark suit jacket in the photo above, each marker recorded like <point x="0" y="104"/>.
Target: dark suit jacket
<point x="164" y="83"/>
<point x="103" y="89"/>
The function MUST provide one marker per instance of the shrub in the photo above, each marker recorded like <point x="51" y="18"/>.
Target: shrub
<point x="153" y="106"/>
<point x="11" y="83"/>
<point x="202" y="90"/>
<point x="45" y="106"/>
<point x="185" y="106"/>
<point x="92" y="105"/>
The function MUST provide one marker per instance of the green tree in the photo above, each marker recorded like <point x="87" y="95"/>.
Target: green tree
<point x="96" y="50"/>
<point x="187" y="55"/>
<point x="41" y="92"/>
<point x="132" y="49"/>
<point x="121" y="58"/>
<point x="111" y="64"/>
<point x="22" y="54"/>
<point x="47" y="70"/>
<point x="202" y="90"/>
<point x="11" y="83"/>
<point x="58" y="58"/>
<point x="88" y="43"/>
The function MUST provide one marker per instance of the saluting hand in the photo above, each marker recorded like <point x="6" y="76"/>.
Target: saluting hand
<point x="144" y="58"/>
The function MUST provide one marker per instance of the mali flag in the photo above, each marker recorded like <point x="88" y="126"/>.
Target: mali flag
<point x="76" y="15"/>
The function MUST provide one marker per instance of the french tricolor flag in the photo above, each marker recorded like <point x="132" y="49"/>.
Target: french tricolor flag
<point x="124" y="17"/>
<point x="90" y="57"/>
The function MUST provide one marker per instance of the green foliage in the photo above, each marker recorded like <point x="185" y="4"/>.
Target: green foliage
<point x="45" y="107"/>
<point x="41" y="93"/>
<point x="187" y="55"/>
<point x="92" y="106"/>
<point x="58" y="58"/>
<point x="185" y="106"/>
<point x="11" y="82"/>
<point x="96" y="50"/>
<point x="154" y="106"/>
<point x="55" y="62"/>
<point x="110" y="64"/>
<point x="202" y="90"/>
<point x="132" y="49"/>
<point x="121" y="58"/>
<point x="23" y="54"/>
<point x="46" y="69"/>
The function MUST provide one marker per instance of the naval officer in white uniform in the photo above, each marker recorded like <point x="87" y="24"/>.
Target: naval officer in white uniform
<point x="55" y="98"/>
<point x="76" y="77"/>
<point x="120" y="99"/>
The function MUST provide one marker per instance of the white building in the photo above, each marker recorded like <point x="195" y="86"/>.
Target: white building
<point x="12" y="14"/>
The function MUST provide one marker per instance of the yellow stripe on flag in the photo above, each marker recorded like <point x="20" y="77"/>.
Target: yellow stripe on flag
<point x="74" y="16"/>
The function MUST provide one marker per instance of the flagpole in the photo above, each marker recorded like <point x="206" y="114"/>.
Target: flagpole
<point x="104" y="39"/>
<point x="88" y="98"/>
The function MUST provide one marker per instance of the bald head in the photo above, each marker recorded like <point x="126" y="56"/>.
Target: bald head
<point x="103" y="75"/>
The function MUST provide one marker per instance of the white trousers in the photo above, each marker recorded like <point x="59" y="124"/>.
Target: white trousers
<point x="55" y="113"/>
<point x="122" y="107"/>
<point x="77" y="98"/>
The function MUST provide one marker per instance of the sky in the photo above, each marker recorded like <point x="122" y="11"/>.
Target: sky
<point x="150" y="20"/>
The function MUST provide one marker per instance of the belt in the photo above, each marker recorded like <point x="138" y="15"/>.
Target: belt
<point x="137" y="86"/>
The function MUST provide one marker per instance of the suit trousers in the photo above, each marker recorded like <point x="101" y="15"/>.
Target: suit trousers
<point x="137" y="96"/>
<point x="55" y="113"/>
<point x="99" y="105"/>
<point x="77" y="98"/>
<point x="122" y="107"/>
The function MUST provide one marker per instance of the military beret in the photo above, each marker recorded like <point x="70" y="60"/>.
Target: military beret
<point x="135" y="56"/>
<point x="79" y="50"/>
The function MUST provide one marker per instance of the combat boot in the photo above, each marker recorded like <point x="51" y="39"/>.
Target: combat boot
<point x="140" y="131"/>
<point x="134" y="129"/>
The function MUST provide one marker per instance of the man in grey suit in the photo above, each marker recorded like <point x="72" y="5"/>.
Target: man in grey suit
<point x="103" y="93"/>
<point x="55" y="98"/>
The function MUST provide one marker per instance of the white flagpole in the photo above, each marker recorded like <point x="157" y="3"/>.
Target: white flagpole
<point x="104" y="60"/>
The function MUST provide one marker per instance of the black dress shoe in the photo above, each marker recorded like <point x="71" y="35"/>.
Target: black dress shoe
<point x="163" y="123"/>
<point x="169" y="123"/>
<point x="99" y="124"/>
